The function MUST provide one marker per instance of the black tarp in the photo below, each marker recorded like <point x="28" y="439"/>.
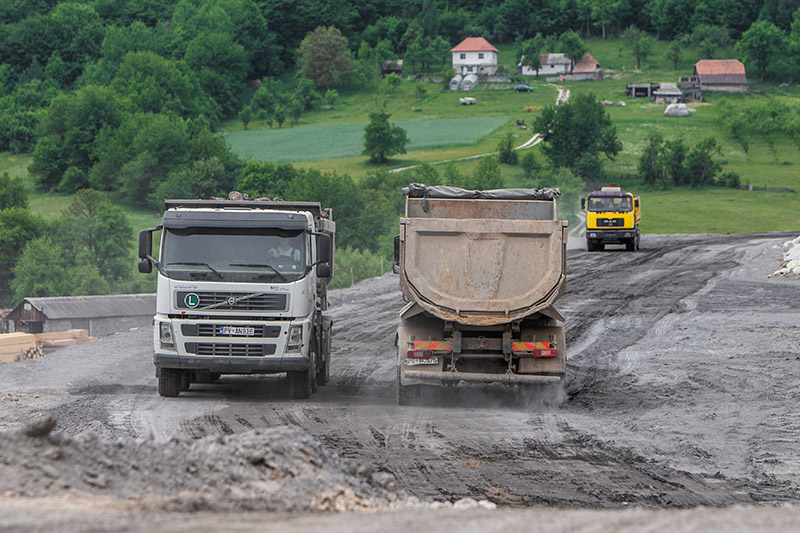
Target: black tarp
<point x="418" y="190"/>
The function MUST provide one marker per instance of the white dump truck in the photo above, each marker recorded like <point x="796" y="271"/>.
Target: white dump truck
<point x="480" y="271"/>
<point x="242" y="289"/>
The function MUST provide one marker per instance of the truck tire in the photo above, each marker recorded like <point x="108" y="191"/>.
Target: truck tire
<point x="169" y="382"/>
<point x="408" y="394"/>
<point x="630" y="245"/>
<point x="302" y="383"/>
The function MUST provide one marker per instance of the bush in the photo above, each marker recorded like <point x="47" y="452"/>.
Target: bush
<point x="352" y="265"/>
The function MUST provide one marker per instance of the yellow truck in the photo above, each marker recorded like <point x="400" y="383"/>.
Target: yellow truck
<point x="612" y="217"/>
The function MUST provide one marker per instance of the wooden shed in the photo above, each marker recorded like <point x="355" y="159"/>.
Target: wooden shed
<point x="99" y="315"/>
<point x="721" y="75"/>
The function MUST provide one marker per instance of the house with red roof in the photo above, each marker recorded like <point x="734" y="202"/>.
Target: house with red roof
<point x="721" y="75"/>
<point x="475" y="55"/>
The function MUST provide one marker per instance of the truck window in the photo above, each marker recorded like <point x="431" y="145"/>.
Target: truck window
<point x="234" y="254"/>
<point x="610" y="204"/>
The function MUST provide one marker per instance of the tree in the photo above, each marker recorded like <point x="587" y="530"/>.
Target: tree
<point x="700" y="163"/>
<point x="581" y="125"/>
<point x="529" y="164"/>
<point x="505" y="149"/>
<point x="306" y="93"/>
<point x="295" y="109"/>
<point x="280" y="115"/>
<point x="245" y="115"/>
<point x="760" y="43"/>
<point x="391" y="83"/>
<point x="573" y="47"/>
<point x="12" y="192"/>
<point x="18" y="227"/>
<point x="325" y="57"/>
<point x="709" y="38"/>
<point x="641" y="44"/>
<point x="221" y="65"/>
<point x="331" y="95"/>
<point x="487" y="175"/>
<point x="529" y="52"/>
<point x="674" y="53"/>
<point x="203" y="179"/>
<point x="652" y="164"/>
<point x="382" y="139"/>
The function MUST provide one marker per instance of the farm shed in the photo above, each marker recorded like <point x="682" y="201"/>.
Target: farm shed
<point x="667" y="93"/>
<point x="99" y="315"/>
<point x="641" y="90"/>
<point x="392" y="67"/>
<point x="551" y="64"/>
<point x="588" y="68"/>
<point x="475" y="55"/>
<point x="690" y="87"/>
<point x="721" y="75"/>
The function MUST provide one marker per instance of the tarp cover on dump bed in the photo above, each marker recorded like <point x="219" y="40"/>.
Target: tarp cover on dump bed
<point x="418" y="190"/>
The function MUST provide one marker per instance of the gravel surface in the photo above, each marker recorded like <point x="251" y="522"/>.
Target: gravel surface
<point x="681" y="394"/>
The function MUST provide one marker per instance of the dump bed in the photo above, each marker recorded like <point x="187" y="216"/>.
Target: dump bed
<point x="482" y="257"/>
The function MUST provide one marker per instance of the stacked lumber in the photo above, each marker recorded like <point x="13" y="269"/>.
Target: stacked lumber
<point x="14" y="345"/>
<point x="58" y="339"/>
<point x="19" y="346"/>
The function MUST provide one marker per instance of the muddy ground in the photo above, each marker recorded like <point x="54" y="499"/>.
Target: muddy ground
<point x="680" y="412"/>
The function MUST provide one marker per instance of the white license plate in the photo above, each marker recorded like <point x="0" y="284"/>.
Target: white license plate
<point x="415" y="362"/>
<point x="237" y="330"/>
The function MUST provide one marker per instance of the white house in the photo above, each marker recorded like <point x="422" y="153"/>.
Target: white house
<point x="475" y="55"/>
<point x="551" y="64"/>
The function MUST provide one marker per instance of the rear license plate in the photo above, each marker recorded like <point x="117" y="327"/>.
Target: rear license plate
<point x="415" y="362"/>
<point x="237" y="330"/>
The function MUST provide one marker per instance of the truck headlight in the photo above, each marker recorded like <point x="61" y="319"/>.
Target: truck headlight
<point x="165" y="335"/>
<point x="295" y="340"/>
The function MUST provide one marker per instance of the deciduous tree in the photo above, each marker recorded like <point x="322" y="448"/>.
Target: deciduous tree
<point x="325" y="57"/>
<point x="381" y="139"/>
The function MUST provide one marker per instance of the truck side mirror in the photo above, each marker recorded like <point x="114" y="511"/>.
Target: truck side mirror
<point x="145" y="244"/>
<point x="583" y="203"/>
<point x="323" y="270"/>
<point x="635" y="202"/>
<point x="323" y="248"/>
<point x="145" y="266"/>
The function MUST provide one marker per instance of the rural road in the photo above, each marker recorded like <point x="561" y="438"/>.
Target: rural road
<point x="682" y="392"/>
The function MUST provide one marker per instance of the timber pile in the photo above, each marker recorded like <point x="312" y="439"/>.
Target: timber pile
<point x="15" y="347"/>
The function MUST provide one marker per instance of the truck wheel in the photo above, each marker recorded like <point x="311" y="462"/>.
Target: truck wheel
<point x="408" y="394"/>
<point x="169" y="382"/>
<point x="630" y="245"/>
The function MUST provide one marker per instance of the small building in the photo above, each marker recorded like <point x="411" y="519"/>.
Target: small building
<point x="588" y="68"/>
<point x="667" y="93"/>
<point x="475" y="55"/>
<point x="394" y="66"/>
<point x="721" y="75"/>
<point x="99" y="315"/>
<point x="641" y="90"/>
<point x="469" y="82"/>
<point x="690" y="88"/>
<point x="455" y="82"/>
<point x="551" y="64"/>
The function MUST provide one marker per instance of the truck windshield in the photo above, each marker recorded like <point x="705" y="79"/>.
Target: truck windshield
<point x="234" y="254"/>
<point x="613" y="204"/>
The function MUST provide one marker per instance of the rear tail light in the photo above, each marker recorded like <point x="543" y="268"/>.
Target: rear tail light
<point x="545" y="352"/>
<point x="419" y="354"/>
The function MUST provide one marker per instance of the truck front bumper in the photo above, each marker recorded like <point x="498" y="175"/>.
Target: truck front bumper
<point x="616" y="236"/>
<point x="233" y="365"/>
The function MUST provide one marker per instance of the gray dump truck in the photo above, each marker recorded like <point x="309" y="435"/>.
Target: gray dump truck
<point x="481" y="271"/>
<point x="242" y="289"/>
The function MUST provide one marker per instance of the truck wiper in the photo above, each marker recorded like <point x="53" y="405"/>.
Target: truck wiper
<point x="260" y="265"/>
<point x="214" y="270"/>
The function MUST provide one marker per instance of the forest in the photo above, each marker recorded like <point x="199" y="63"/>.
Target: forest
<point x="120" y="101"/>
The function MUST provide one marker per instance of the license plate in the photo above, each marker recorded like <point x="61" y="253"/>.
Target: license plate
<point x="237" y="330"/>
<point x="415" y="362"/>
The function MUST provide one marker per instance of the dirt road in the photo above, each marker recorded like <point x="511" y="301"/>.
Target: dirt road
<point x="683" y="365"/>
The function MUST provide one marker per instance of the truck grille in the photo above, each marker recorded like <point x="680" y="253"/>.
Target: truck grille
<point x="229" y="349"/>
<point x="262" y="302"/>
<point x="610" y="222"/>
<point x="215" y="330"/>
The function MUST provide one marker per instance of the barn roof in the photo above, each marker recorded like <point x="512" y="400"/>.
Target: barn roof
<point x="474" y="44"/>
<point x="587" y="64"/>
<point x="720" y="71"/>
<point x="111" y="305"/>
<point x="554" y="59"/>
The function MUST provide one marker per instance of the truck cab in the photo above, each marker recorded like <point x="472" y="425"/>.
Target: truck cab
<point x="612" y="217"/>
<point x="242" y="289"/>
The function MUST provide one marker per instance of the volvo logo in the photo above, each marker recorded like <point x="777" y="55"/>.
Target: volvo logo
<point x="231" y="301"/>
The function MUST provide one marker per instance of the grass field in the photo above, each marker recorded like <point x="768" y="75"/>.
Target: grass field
<point x="333" y="141"/>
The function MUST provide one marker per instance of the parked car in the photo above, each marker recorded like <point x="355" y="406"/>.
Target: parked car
<point x="523" y="89"/>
